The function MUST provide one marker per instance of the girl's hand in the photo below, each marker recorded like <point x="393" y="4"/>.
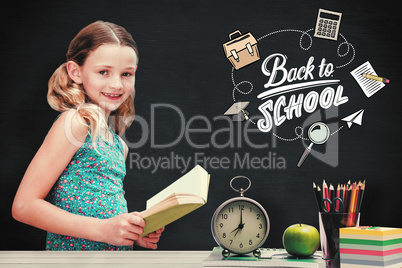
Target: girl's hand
<point x="122" y="230"/>
<point x="150" y="240"/>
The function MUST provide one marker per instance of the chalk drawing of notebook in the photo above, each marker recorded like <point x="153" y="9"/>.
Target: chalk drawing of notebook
<point x="369" y="86"/>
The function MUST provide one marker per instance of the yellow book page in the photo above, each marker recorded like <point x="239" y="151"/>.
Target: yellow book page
<point x="164" y="217"/>
<point x="196" y="182"/>
<point x="173" y="200"/>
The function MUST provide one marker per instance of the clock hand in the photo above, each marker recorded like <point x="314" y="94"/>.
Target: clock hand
<point x="241" y="225"/>
<point x="236" y="232"/>
<point x="238" y="227"/>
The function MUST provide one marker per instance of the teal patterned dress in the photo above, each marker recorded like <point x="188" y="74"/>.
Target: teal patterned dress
<point x="91" y="185"/>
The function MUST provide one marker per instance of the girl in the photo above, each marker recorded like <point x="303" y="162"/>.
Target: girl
<point x="73" y="188"/>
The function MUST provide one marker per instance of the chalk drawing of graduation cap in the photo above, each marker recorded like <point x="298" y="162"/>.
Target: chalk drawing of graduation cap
<point x="237" y="111"/>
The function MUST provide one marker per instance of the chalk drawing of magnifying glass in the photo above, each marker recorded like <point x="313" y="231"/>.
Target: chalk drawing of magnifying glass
<point x="318" y="133"/>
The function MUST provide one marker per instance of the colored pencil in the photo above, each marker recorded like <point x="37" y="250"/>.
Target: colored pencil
<point x="318" y="196"/>
<point x="325" y="194"/>
<point x="362" y="193"/>
<point x="342" y="191"/>
<point x="352" y="205"/>
<point x="346" y="200"/>
<point x="331" y="192"/>
<point x="338" y="194"/>
<point x="350" y="193"/>
<point x="358" y="195"/>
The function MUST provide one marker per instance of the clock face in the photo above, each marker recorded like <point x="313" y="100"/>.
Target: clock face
<point x="240" y="226"/>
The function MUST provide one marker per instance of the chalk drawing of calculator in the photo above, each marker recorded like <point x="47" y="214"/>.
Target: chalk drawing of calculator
<point x="328" y="23"/>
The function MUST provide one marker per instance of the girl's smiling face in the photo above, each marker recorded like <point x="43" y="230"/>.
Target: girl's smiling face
<point x="108" y="75"/>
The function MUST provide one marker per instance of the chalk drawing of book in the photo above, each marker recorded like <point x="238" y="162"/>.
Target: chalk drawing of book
<point x="369" y="86"/>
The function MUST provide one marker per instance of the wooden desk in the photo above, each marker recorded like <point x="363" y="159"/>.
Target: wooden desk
<point x="77" y="259"/>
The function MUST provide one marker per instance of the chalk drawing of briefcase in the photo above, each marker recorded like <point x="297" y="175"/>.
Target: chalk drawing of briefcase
<point x="242" y="50"/>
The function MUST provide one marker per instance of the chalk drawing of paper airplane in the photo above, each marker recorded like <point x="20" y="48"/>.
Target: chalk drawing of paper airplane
<point x="369" y="86"/>
<point x="355" y="118"/>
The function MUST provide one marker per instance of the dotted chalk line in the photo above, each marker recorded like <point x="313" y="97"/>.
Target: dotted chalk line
<point x="299" y="134"/>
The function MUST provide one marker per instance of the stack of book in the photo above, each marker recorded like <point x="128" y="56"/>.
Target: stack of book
<point x="370" y="247"/>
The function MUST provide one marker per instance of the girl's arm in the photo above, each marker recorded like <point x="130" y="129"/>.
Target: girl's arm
<point x="62" y="142"/>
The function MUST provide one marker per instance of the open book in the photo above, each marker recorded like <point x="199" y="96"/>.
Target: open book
<point x="178" y="199"/>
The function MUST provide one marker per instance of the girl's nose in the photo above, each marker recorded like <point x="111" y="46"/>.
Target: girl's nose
<point x="115" y="82"/>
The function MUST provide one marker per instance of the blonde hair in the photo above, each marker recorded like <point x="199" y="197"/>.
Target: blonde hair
<point x="63" y="94"/>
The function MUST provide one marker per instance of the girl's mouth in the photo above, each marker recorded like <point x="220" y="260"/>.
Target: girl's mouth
<point x="112" y="96"/>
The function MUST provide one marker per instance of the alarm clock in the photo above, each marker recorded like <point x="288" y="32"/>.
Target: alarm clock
<point x="240" y="225"/>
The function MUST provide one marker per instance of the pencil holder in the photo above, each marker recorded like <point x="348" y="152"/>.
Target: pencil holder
<point x="329" y="234"/>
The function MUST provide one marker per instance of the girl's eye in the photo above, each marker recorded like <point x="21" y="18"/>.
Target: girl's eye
<point x="103" y="72"/>
<point x="127" y="74"/>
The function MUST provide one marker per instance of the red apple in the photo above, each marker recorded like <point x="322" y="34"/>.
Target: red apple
<point x="301" y="240"/>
